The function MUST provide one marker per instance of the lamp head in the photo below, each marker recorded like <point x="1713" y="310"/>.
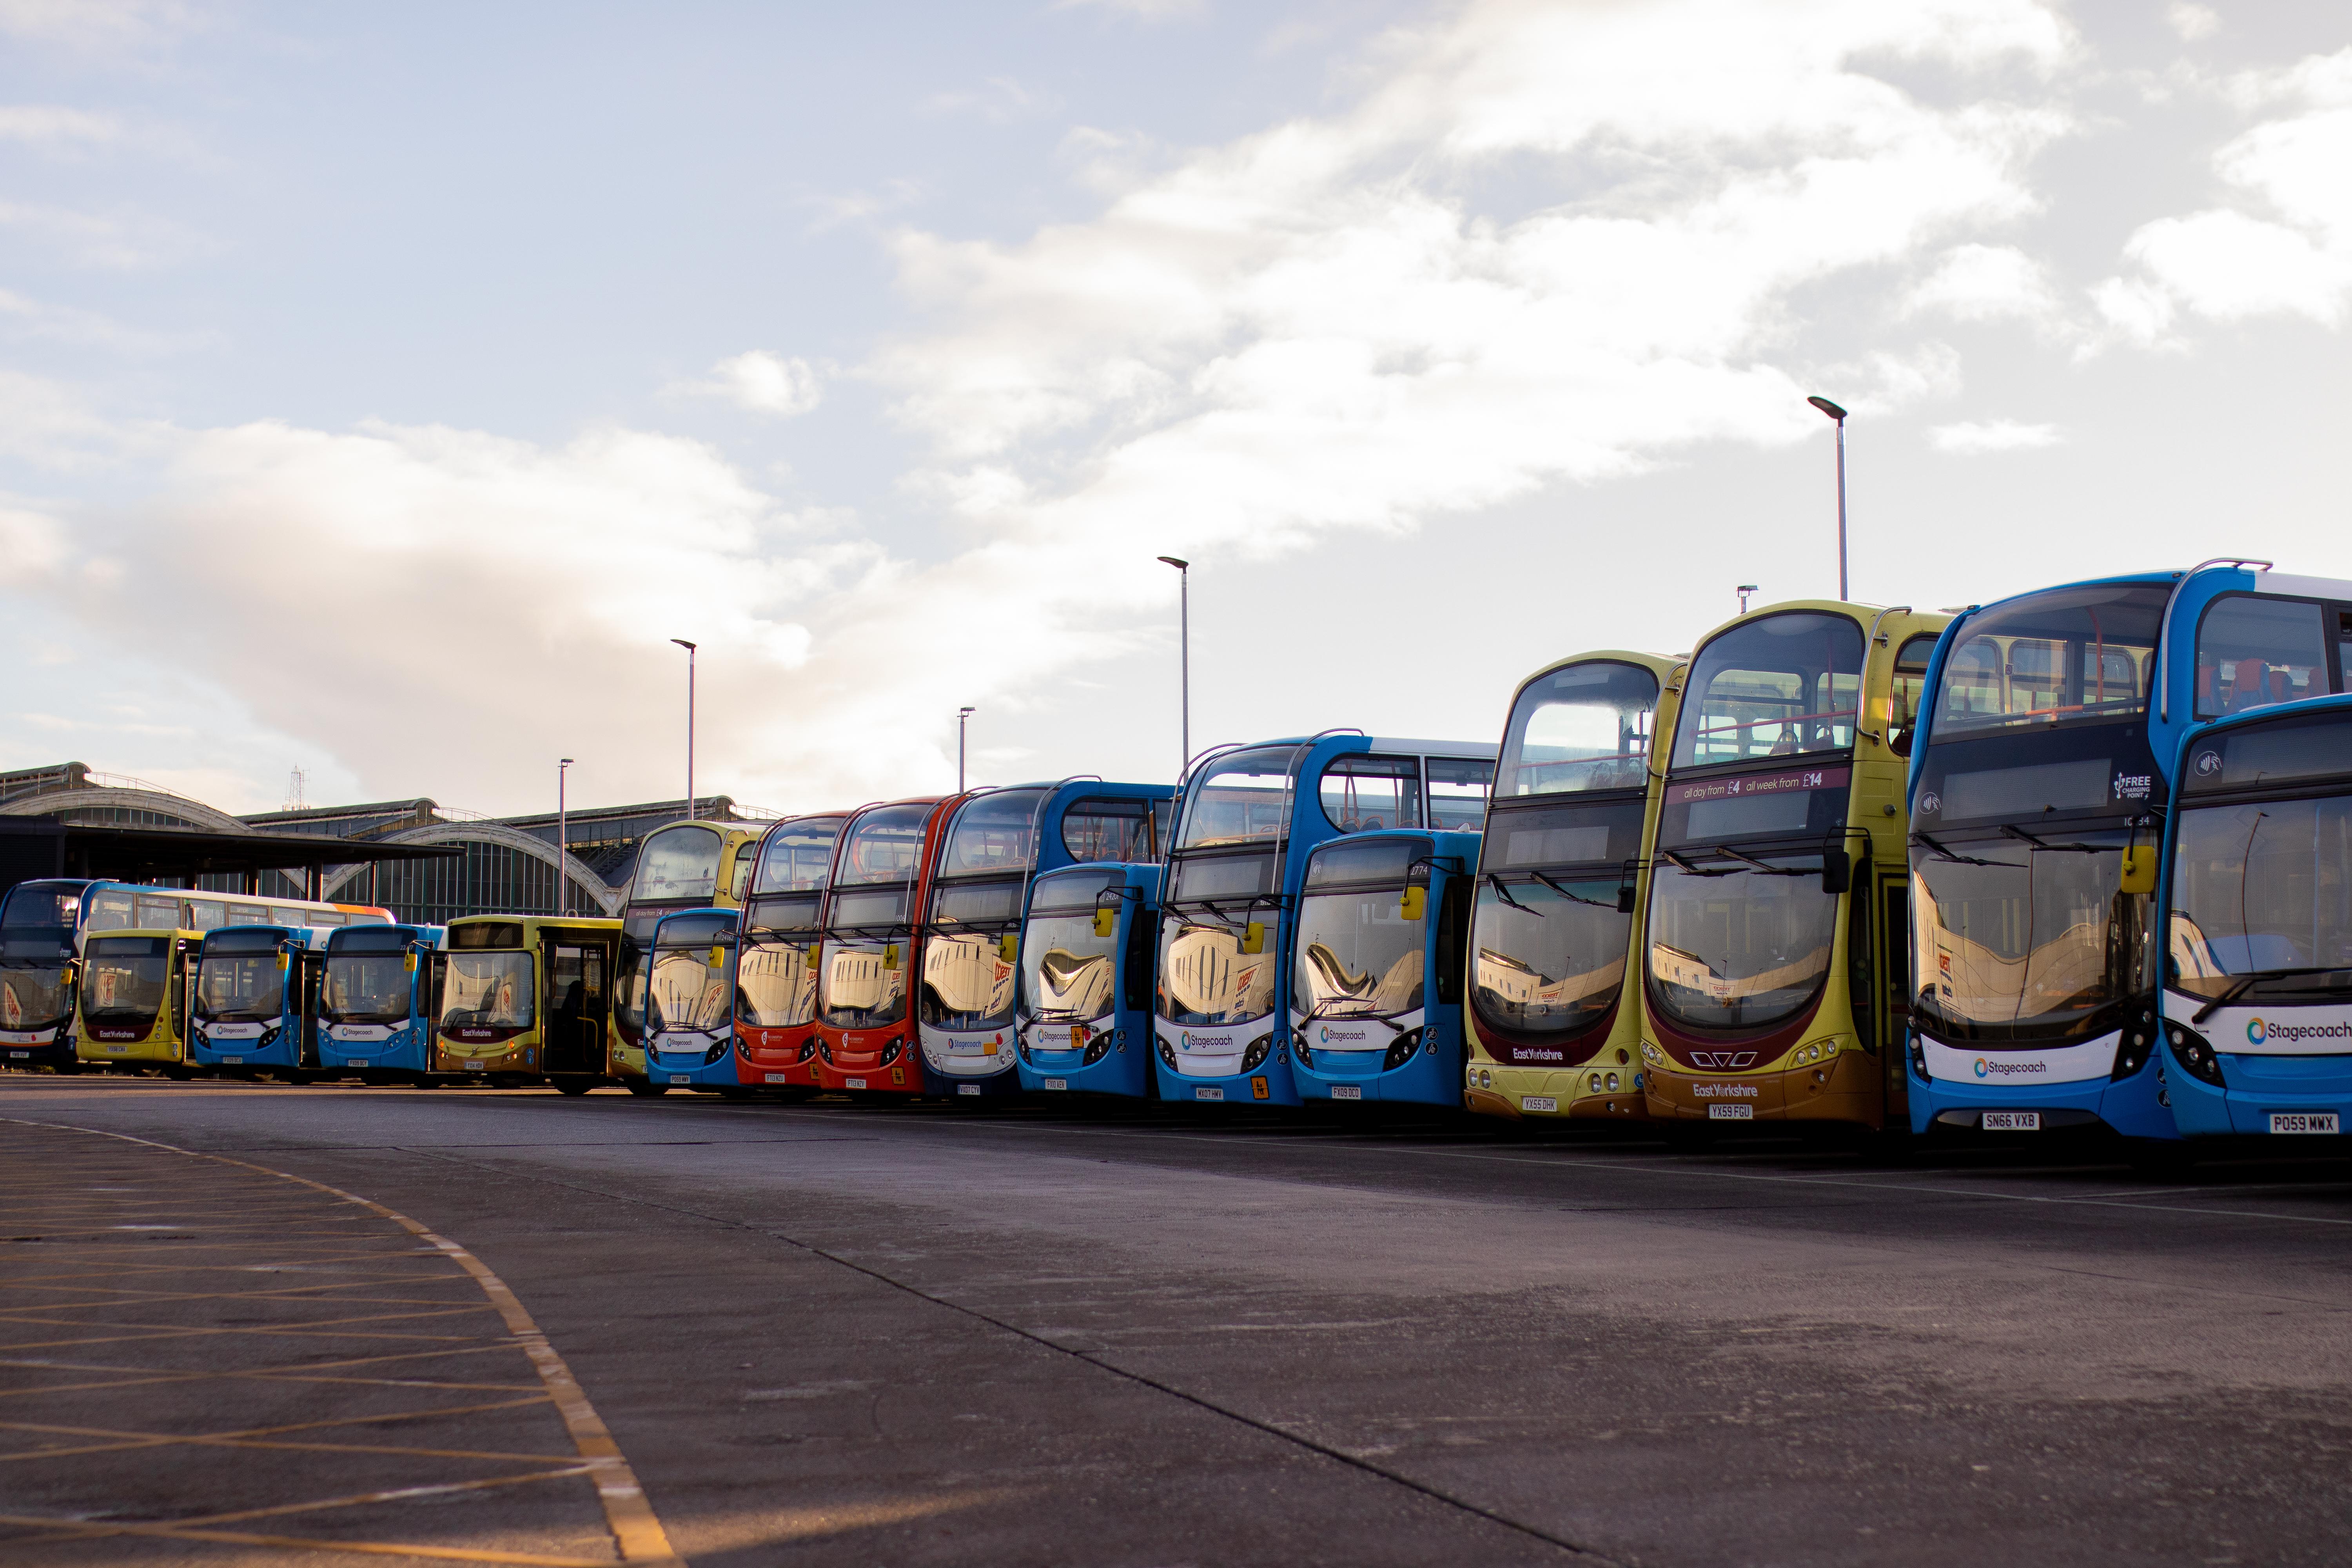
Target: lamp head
<point x="1826" y="407"/>
<point x="1176" y="562"/>
<point x="684" y="644"/>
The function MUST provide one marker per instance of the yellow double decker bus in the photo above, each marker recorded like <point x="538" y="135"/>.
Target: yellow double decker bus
<point x="527" y="997"/>
<point x="1775" y="950"/>
<point x="1551" y="1028"/>
<point x="130" y="1010"/>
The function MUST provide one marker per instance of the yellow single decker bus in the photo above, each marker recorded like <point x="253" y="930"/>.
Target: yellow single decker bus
<point x="1775" y="954"/>
<point x="130" y="1010"/>
<point x="526" y="997"/>
<point x="1552" y="1028"/>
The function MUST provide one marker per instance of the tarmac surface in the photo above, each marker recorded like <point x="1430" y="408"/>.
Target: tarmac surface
<point x="334" y="1324"/>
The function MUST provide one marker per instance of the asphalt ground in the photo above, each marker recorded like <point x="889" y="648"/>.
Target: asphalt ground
<point x="1086" y="1333"/>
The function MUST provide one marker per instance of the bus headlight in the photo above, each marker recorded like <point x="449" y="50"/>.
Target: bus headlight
<point x="2194" y="1052"/>
<point x="1259" y="1048"/>
<point x="1652" y="1055"/>
<point x="891" y="1052"/>
<point x="1167" y="1051"/>
<point x="1097" y="1049"/>
<point x="1918" y="1056"/>
<point x="1401" y="1050"/>
<point x="2133" y="1050"/>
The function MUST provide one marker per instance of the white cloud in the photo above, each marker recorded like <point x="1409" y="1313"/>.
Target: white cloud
<point x="1316" y="327"/>
<point x="116" y="241"/>
<point x="49" y="125"/>
<point x="87" y="328"/>
<point x="1970" y="438"/>
<point x="2193" y="22"/>
<point x="999" y="100"/>
<point x="1142" y="10"/>
<point x="761" y="381"/>
<point x="2285" y="247"/>
<point x="99" y="27"/>
<point x="1986" y="282"/>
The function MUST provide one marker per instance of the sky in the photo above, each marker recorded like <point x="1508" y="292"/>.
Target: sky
<point x="381" y="388"/>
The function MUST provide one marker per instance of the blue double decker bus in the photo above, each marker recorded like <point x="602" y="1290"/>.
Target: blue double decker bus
<point x="967" y="1020"/>
<point x="2255" y="908"/>
<point x="1086" y="980"/>
<point x="2041" y="773"/>
<point x="377" y="1001"/>
<point x="1377" y="964"/>
<point x="1248" y="820"/>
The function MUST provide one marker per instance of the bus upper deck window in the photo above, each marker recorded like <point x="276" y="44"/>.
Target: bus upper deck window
<point x="158" y="914"/>
<point x="1361" y="794"/>
<point x="1907" y="689"/>
<point x="248" y="915"/>
<point x="2253" y="651"/>
<point x="1458" y="788"/>
<point x="110" y="911"/>
<point x="206" y="914"/>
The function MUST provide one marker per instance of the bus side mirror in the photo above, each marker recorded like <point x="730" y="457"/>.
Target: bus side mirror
<point x="1625" y="898"/>
<point x="73" y="971"/>
<point x="1254" y="937"/>
<point x="408" y="960"/>
<point x="1415" y="905"/>
<point x="1837" y="871"/>
<point x="285" y="958"/>
<point x="718" y="956"/>
<point x="811" y="955"/>
<point x="891" y="955"/>
<point x="1008" y="946"/>
<point x="2140" y="869"/>
<point x="1106" y="921"/>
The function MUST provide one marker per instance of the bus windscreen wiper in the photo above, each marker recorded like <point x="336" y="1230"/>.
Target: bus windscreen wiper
<point x="1321" y="1010"/>
<point x="1690" y="869"/>
<point x="2016" y="832"/>
<point x="1943" y="854"/>
<point x="2246" y="983"/>
<point x="1562" y="888"/>
<point x="1502" y="891"/>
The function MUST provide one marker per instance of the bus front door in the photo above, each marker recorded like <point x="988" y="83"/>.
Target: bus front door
<point x="575" y="1009"/>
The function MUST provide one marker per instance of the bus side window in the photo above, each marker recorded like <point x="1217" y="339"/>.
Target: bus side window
<point x="1452" y="919"/>
<point x="1907" y="689"/>
<point x="1142" y="947"/>
<point x="2252" y="651"/>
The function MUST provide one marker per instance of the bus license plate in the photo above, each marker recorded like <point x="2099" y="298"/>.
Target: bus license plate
<point x="681" y="1078"/>
<point x="116" y="1050"/>
<point x="2011" y="1121"/>
<point x="1731" y="1113"/>
<point x="1202" y="1092"/>
<point x="1345" y="1091"/>
<point x="1057" y="1083"/>
<point x="967" y="1088"/>
<point x="853" y="1083"/>
<point x="1538" y="1102"/>
<point x="2322" y="1121"/>
<point x="777" y="1077"/>
<point x="20" y="1053"/>
<point x="233" y="1061"/>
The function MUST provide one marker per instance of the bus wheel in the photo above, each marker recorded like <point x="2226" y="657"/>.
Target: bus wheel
<point x="639" y="1086"/>
<point x="570" y="1085"/>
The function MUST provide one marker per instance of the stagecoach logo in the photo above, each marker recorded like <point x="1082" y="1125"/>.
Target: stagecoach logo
<point x="1722" y="1062"/>
<point x="1930" y="803"/>
<point x="2132" y="786"/>
<point x="2255" y="1033"/>
<point x="1193" y="1042"/>
<point x="2008" y="1070"/>
<point x="1327" y="1035"/>
<point x="2208" y="764"/>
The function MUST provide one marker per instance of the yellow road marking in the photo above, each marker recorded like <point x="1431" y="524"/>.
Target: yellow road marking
<point x="363" y="1548"/>
<point x="636" y="1527"/>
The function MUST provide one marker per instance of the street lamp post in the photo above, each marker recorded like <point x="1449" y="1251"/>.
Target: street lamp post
<point x="1834" y="411"/>
<point x="562" y="838"/>
<point x="963" y="716"/>
<point x="1744" y="590"/>
<point x="1183" y="653"/>
<point x="690" y="723"/>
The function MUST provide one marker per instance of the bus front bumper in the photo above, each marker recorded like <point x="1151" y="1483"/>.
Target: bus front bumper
<point x="1570" y="1093"/>
<point x="2132" y="1105"/>
<point x="2260" y="1088"/>
<point x="1843" y="1086"/>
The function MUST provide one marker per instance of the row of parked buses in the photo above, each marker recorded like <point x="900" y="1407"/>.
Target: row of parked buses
<point x="2083" y="856"/>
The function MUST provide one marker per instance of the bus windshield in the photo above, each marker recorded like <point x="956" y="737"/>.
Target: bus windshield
<point x="46" y="906"/>
<point x="885" y="846"/>
<point x="797" y="856"/>
<point x="968" y="981"/>
<point x="366" y="987"/>
<point x="1211" y="971"/>
<point x="1586" y="727"/>
<point x="2053" y="658"/>
<point x="487" y="991"/>
<point x="993" y="832"/>
<point x="686" y="987"/>
<point x="1735" y="946"/>
<point x="33" y="991"/>
<point x="240" y="986"/>
<point x="1067" y="972"/>
<point x="124" y="980"/>
<point x="2261" y="899"/>
<point x="862" y="982"/>
<point x="775" y="980"/>
<point x="1242" y="797"/>
<point x="1548" y="940"/>
<point x="2025" y="937"/>
<point x="679" y="862"/>
<point x="1780" y="686"/>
